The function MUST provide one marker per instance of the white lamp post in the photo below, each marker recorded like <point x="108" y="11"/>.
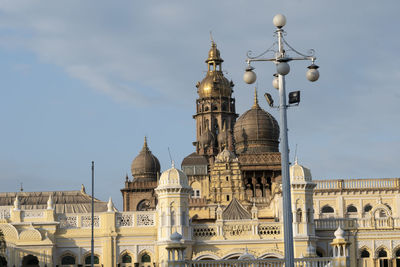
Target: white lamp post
<point x="281" y="60"/>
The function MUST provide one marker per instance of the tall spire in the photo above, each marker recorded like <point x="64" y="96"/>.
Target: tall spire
<point x="255" y="105"/>
<point x="145" y="147"/>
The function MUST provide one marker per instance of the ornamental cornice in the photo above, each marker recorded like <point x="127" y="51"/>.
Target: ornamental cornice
<point x="260" y="159"/>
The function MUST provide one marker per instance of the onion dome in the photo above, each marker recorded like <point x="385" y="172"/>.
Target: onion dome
<point x="225" y="156"/>
<point x="247" y="256"/>
<point x="299" y="173"/>
<point x="145" y="166"/>
<point x="256" y="131"/>
<point x="176" y="237"/>
<point x="214" y="84"/>
<point x="339" y="233"/>
<point x="173" y="178"/>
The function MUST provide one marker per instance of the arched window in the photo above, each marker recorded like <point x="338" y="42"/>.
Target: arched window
<point x="145" y="258"/>
<point x="319" y="252"/>
<point x="364" y="253"/>
<point x="351" y="208"/>
<point x="126" y="258"/>
<point x="298" y="215"/>
<point x="143" y="205"/>
<point x="173" y="219"/>
<point x="163" y="219"/>
<point x="383" y="260"/>
<point x="30" y="260"/>
<point x="327" y="209"/>
<point x="68" y="260"/>
<point x="367" y="208"/>
<point x="382" y="253"/>
<point x="398" y="257"/>
<point x="183" y="218"/>
<point x="88" y="260"/>
<point x="382" y="214"/>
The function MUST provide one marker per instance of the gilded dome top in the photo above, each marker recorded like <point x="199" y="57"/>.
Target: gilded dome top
<point x="145" y="166"/>
<point x="256" y="131"/>
<point x="214" y="54"/>
<point x="214" y="84"/>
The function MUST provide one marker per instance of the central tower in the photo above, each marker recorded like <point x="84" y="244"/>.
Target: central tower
<point x="215" y="109"/>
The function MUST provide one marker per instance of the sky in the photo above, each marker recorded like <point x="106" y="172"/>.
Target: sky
<point x="85" y="81"/>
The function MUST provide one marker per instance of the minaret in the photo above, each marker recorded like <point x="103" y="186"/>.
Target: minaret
<point x="215" y="109"/>
<point x="302" y="204"/>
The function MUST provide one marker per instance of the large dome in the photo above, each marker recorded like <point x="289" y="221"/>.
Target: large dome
<point x="145" y="166"/>
<point x="214" y="84"/>
<point x="256" y="131"/>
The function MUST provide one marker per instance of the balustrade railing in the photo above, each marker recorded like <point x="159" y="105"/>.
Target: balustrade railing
<point x="382" y="183"/>
<point x="357" y="223"/>
<point x="270" y="262"/>
<point x="235" y="229"/>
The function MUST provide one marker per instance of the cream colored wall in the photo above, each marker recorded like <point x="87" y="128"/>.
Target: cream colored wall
<point x="46" y="239"/>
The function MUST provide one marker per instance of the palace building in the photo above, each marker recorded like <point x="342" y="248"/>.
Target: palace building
<point x="223" y="203"/>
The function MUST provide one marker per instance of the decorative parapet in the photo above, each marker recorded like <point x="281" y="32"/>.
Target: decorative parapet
<point x="5" y="213"/>
<point x="68" y="221"/>
<point x="73" y="221"/>
<point x="124" y="219"/>
<point x="145" y="219"/>
<point x="33" y="213"/>
<point x="237" y="230"/>
<point x="358" y="184"/>
<point x="268" y="230"/>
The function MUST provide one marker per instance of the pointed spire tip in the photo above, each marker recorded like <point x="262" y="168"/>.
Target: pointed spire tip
<point x="255" y="105"/>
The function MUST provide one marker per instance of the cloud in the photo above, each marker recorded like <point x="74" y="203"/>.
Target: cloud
<point x="145" y="53"/>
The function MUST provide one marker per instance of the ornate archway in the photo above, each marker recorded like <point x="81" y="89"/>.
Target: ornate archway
<point x="30" y="261"/>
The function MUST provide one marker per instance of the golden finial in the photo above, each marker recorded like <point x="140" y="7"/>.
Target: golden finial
<point x="211" y="37"/>
<point x="255" y="105"/>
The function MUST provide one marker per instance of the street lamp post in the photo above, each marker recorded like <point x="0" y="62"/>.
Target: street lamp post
<point x="281" y="60"/>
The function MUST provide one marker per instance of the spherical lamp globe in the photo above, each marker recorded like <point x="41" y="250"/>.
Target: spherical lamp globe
<point x="312" y="73"/>
<point x="249" y="76"/>
<point x="283" y="68"/>
<point x="279" y="20"/>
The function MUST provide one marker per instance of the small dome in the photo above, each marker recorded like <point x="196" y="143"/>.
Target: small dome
<point x="173" y="178"/>
<point x="214" y="54"/>
<point x="225" y="156"/>
<point x="339" y="233"/>
<point x="145" y="166"/>
<point x="256" y="131"/>
<point x="176" y="237"/>
<point x="299" y="173"/>
<point x="246" y="256"/>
